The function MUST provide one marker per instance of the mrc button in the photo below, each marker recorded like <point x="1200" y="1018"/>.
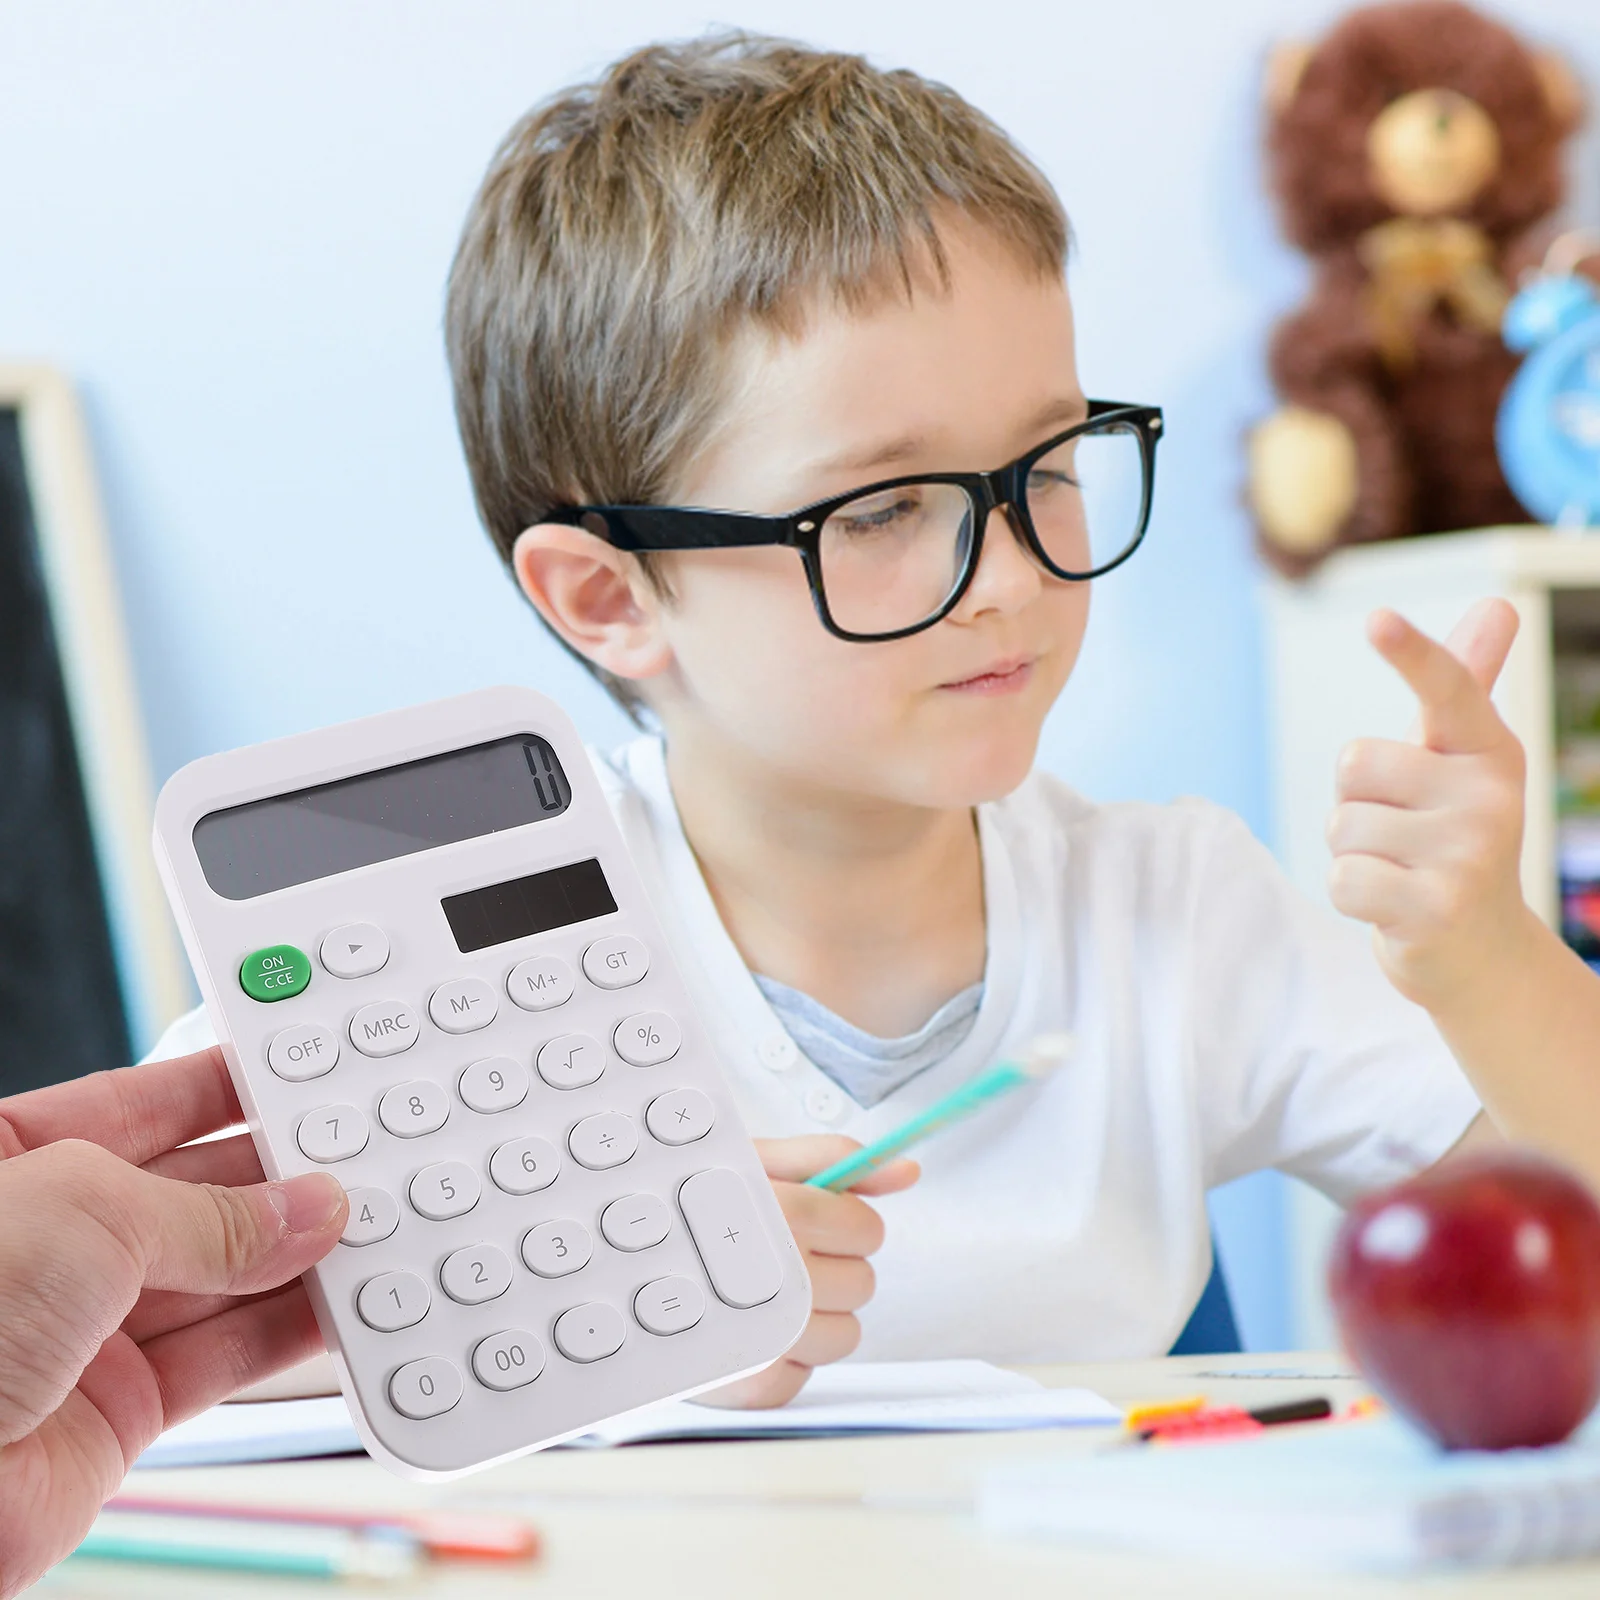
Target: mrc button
<point x="276" y="973"/>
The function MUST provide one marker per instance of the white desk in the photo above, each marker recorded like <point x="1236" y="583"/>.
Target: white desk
<point x="789" y="1520"/>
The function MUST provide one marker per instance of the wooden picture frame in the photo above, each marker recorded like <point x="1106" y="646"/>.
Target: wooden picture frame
<point x="57" y="495"/>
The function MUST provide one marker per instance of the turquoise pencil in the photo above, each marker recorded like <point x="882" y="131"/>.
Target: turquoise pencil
<point x="1043" y="1055"/>
<point x="301" y="1552"/>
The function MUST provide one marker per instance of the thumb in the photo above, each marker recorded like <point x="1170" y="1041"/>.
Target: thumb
<point x="203" y="1238"/>
<point x="198" y="1238"/>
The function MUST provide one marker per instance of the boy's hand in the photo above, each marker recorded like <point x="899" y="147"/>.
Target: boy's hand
<point x="836" y="1233"/>
<point x="139" y="1284"/>
<point x="1427" y="835"/>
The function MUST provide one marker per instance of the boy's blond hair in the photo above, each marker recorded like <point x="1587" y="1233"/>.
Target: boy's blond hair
<point x="626" y="228"/>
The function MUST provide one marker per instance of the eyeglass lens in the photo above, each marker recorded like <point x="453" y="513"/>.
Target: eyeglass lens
<point x="891" y="559"/>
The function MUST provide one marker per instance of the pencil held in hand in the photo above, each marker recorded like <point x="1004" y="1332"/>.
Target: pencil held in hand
<point x="1044" y="1054"/>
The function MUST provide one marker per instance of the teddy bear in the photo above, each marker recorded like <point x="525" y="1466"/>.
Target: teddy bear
<point x="1414" y="153"/>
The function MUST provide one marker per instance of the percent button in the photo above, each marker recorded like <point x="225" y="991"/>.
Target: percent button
<point x="647" y="1038"/>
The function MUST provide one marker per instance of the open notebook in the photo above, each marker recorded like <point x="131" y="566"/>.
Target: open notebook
<point x="1358" y="1495"/>
<point x="851" y="1397"/>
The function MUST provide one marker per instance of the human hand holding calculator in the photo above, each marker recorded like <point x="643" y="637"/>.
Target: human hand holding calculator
<point x="435" y="974"/>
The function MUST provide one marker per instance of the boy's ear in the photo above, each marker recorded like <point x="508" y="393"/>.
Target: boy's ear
<point x="595" y="596"/>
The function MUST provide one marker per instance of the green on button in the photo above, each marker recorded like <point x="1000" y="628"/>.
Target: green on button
<point x="275" y="973"/>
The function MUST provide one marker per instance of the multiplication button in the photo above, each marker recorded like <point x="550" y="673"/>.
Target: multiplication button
<point x="303" y="1052"/>
<point x="680" y="1116"/>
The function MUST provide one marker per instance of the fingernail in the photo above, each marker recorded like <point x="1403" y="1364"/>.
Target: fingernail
<point x="307" y="1202"/>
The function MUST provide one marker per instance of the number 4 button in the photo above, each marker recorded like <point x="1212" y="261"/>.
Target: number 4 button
<point x="374" y="1215"/>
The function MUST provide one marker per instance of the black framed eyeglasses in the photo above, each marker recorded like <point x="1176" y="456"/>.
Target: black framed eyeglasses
<point x="895" y="557"/>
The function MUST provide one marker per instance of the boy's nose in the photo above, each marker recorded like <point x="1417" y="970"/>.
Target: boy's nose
<point x="1007" y="575"/>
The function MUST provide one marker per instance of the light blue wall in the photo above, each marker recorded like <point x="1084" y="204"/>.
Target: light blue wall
<point x="231" y="224"/>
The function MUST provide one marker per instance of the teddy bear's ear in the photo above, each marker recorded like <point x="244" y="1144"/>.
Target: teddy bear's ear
<point x="1285" y="65"/>
<point x="1561" y="88"/>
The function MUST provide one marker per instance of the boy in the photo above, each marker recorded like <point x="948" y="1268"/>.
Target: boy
<point x="743" y="275"/>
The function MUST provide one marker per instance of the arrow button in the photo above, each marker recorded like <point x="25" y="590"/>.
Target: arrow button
<point x="355" y="950"/>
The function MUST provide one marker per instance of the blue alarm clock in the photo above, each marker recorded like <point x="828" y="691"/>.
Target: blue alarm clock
<point x="1548" y="430"/>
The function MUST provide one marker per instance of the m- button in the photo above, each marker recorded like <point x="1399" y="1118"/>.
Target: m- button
<point x="384" y="1029"/>
<point x="616" y="962"/>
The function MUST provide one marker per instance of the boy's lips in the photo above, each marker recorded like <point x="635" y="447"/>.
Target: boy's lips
<point x="999" y="677"/>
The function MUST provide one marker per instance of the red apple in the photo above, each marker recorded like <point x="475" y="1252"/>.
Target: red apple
<point x="1470" y="1299"/>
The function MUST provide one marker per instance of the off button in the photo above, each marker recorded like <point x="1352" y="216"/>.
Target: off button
<point x="276" y="973"/>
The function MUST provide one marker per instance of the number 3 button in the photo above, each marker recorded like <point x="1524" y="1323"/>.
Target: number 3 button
<point x="554" y="1249"/>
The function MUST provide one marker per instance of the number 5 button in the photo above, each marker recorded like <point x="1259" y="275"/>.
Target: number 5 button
<point x="650" y="1037"/>
<point x="446" y="1189"/>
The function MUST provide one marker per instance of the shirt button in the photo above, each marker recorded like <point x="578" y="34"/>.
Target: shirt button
<point x="823" y="1104"/>
<point x="777" y="1052"/>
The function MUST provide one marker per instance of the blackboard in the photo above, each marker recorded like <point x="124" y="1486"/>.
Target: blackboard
<point x="61" y="1007"/>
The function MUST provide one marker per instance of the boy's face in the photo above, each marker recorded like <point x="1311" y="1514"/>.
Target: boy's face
<point x="964" y="378"/>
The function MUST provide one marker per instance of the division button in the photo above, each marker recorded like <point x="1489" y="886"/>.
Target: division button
<point x="305" y="1051"/>
<point x="384" y="1029"/>
<point x="635" y="1222"/>
<point x="616" y="962"/>
<point x="478" y="1273"/>
<point x="738" y="1257"/>
<point x="497" y="1084"/>
<point x="409" y="1110"/>
<point x="278" y="972"/>
<point x="446" y="1189"/>
<point x="332" y="1133"/>
<point x="520" y="1166"/>
<point x="426" y="1388"/>
<point x="507" y="1360"/>
<point x="374" y="1215"/>
<point x="463" y="1005"/>
<point x="669" y="1305"/>
<point x="680" y="1116"/>
<point x="604" y="1140"/>
<point x="393" y="1300"/>
<point x="554" y="1249"/>
<point x="540" y="983"/>
<point x="355" y="950"/>
<point x="571" y="1060"/>
<point x="590" y="1333"/>
<point x="648" y="1038"/>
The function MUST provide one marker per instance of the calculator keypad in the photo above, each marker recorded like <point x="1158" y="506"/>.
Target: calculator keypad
<point x="713" y="1204"/>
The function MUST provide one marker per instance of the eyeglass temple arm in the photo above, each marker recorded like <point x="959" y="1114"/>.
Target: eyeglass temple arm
<point x="667" y="528"/>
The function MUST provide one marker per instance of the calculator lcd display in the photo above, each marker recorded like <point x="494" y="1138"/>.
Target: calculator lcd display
<point x="534" y="904"/>
<point x="264" y="845"/>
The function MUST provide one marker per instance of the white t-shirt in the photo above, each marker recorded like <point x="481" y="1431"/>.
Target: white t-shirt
<point x="1223" y="1024"/>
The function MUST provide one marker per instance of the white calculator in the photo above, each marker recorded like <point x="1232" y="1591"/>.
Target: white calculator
<point x="435" y="974"/>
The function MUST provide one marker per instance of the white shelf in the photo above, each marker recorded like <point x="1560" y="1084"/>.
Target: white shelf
<point x="1328" y="686"/>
